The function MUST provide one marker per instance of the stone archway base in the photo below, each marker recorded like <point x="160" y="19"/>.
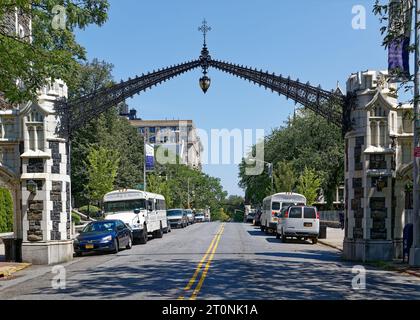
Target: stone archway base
<point x="368" y="250"/>
<point x="50" y="253"/>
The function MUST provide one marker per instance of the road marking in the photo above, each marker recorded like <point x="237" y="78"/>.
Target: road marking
<point x="206" y="269"/>
<point x="210" y="251"/>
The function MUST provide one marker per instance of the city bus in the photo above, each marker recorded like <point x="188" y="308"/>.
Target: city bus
<point x="143" y="212"/>
<point x="272" y="206"/>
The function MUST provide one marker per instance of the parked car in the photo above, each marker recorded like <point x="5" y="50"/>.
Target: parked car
<point x="199" y="217"/>
<point x="299" y="222"/>
<point x="250" y="216"/>
<point x="190" y="215"/>
<point x="109" y="235"/>
<point x="177" y="218"/>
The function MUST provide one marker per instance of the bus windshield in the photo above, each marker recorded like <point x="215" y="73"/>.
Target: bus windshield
<point x="121" y="206"/>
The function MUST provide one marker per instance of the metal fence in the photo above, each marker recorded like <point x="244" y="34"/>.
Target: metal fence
<point x="330" y="218"/>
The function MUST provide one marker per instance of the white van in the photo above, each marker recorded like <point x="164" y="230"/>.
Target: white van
<point x="272" y="206"/>
<point x="144" y="212"/>
<point x="298" y="222"/>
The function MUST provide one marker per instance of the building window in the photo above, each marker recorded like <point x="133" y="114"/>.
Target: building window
<point x="152" y="130"/>
<point x="152" y="140"/>
<point x="374" y="133"/>
<point x="406" y="153"/>
<point x="383" y="131"/>
<point x="377" y="162"/>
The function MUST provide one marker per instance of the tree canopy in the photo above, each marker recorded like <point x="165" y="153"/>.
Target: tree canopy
<point x="52" y="51"/>
<point x="304" y="141"/>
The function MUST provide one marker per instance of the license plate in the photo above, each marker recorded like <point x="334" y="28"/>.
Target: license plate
<point x="90" y="246"/>
<point x="308" y="225"/>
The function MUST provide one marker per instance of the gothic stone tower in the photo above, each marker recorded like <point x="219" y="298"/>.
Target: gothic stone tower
<point x="378" y="149"/>
<point x="34" y="166"/>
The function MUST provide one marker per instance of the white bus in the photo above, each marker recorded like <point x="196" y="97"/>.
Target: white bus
<point x="272" y="206"/>
<point x="144" y="212"/>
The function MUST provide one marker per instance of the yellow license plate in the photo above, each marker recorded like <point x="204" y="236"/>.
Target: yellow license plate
<point x="90" y="246"/>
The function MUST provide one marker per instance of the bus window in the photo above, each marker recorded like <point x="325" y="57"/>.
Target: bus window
<point x="276" y="206"/>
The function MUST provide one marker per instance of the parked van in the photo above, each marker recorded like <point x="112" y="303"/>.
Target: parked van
<point x="298" y="222"/>
<point x="272" y="206"/>
<point x="143" y="212"/>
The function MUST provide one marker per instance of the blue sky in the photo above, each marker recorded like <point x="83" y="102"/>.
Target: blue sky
<point x="312" y="40"/>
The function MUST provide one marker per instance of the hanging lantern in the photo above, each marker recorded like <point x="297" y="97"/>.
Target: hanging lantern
<point x="205" y="83"/>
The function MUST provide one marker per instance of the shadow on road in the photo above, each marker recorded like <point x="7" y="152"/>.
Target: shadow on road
<point x="307" y="275"/>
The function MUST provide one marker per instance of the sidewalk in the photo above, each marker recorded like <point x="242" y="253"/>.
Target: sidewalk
<point x="335" y="239"/>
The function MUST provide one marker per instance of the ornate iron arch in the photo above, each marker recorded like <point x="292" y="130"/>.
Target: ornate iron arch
<point x="332" y="105"/>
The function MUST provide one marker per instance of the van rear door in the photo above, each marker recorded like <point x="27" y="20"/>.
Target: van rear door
<point x="294" y="219"/>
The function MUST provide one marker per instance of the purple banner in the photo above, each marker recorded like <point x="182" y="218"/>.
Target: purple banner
<point x="399" y="57"/>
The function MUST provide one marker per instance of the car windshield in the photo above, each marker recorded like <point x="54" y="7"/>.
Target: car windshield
<point x="199" y="215"/>
<point x="173" y="213"/>
<point x="129" y="205"/>
<point x="102" y="226"/>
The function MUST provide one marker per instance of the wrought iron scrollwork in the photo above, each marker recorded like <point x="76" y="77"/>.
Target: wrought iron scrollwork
<point x="74" y="114"/>
<point x="329" y="105"/>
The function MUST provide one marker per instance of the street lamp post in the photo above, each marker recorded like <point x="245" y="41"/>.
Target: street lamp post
<point x="415" y="251"/>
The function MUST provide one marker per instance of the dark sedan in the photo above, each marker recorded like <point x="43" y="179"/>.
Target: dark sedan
<point x="110" y="235"/>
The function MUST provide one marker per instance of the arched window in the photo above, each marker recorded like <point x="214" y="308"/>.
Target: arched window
<point x="374" y="133"/>
<point x="383" y="134"/>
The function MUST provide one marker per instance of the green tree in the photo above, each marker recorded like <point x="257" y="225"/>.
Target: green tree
<point x="309" y="185"/>
<point x="6" y="211"/>
<point x="109" y="130"/>
<point x="53" y="52"/>
<point x="102" y="166"/>
<point x="284" y="177"/>
<point x="306" y="140"/>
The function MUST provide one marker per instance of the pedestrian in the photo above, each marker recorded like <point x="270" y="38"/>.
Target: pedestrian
<point x="342" y="220"/>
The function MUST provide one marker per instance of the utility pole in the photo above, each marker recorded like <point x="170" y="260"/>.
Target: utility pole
<point x="415" y="250"/>
<point x="144" y="167"/>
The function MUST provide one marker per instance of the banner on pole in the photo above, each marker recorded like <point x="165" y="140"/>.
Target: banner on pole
<point x="150" y="157"/>
<point x="400" y="21"/>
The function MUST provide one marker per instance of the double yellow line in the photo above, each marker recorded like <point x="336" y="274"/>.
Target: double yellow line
<point x="209" y="256"/>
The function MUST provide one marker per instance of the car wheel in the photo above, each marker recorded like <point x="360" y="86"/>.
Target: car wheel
<point x="144" y="236"/>
<point x="130" y="243"/>
<point x="314" y="240"/>
<point x="116" y="246"/>
<point x="159" y="233"/>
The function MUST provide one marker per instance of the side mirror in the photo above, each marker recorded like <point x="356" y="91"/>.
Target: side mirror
<point x="137" y="211"/>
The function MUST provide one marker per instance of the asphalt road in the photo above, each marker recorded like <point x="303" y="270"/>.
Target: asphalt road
<point x="212" y="261"/>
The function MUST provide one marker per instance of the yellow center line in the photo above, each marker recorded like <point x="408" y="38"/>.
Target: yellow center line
<point x="200" y="265"/>
<point x="206" y="269"/>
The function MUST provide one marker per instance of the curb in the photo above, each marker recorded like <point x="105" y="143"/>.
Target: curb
<point x="330" y="245"/>
<point x="8" y="270"/>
